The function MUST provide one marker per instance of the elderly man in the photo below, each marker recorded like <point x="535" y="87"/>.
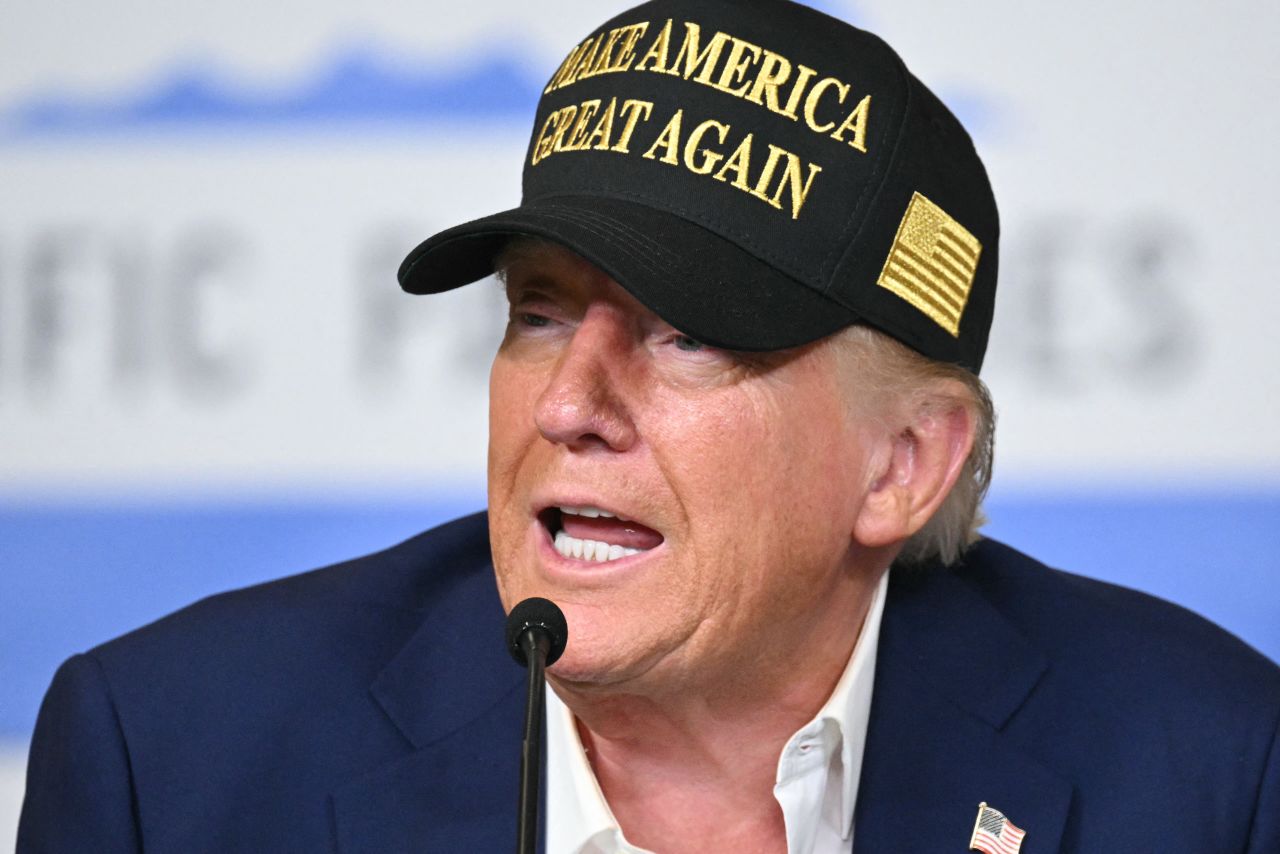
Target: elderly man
<point x="750" y="288"/>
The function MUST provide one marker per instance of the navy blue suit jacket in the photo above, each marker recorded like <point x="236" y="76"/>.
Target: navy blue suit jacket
<point x="371" y="707"/>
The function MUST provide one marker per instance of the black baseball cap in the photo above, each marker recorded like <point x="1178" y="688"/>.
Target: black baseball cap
<point x="758" y="174"/>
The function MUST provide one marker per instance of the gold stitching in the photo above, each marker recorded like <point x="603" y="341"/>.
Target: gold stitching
<point x="932" y="263"/>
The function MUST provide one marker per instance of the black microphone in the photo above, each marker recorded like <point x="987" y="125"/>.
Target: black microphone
<point x="536" y="637"/>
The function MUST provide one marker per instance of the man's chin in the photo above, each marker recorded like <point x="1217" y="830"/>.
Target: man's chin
<point x="585" y="667"/>
<point x="597" y="662"/>
<point x="611" y="641"/>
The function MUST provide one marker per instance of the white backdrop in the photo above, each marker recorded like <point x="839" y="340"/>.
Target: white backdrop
<point x="204" y="206"/>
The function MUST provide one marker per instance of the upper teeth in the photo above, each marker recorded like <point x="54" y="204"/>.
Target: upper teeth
<point x="590" y="512"/>
<point x="595" y="550"/>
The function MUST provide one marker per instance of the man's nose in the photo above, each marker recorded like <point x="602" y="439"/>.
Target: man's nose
<point x="583" y="405"/>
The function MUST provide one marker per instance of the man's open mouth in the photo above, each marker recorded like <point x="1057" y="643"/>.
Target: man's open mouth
<point x="595" y="534"/>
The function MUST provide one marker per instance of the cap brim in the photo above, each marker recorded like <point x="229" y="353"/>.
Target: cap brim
<point x="699" y="282"/>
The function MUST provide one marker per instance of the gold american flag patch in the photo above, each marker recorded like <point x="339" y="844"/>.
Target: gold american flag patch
<point x="932" y="263"/>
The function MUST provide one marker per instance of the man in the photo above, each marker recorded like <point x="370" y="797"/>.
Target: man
<point x="751" y="283"/>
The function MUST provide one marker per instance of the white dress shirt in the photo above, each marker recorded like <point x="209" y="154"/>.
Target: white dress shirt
<point x="816" y="784"/>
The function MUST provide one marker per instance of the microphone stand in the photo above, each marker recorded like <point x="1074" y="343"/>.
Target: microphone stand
<point x="535" y="645"/>
<point x="536" y="634"/>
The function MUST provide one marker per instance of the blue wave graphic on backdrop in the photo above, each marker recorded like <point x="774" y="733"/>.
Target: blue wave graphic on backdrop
<point x="352" y="88"/>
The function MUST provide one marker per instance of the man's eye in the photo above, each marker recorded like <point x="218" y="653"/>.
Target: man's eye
<point x="536" y="320"/>
<point x="689" y="345"/>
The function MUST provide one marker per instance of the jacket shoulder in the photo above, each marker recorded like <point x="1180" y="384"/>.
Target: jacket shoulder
<point x="266" y="689"/>
<point x="1071" y="614"/>
<point x="361" y="608"/>
<point x="1148" y="709"/>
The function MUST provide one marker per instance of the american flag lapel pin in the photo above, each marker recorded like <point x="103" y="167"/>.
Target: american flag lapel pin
<point x="995" y="834"/>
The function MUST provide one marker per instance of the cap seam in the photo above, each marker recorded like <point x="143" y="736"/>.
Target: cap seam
<point x="596" y="229"/>
<point x="569" y="212"/>
<point x="844" y="246"/>
<point x="794" y="269"/>
<point x="616" y="239"/>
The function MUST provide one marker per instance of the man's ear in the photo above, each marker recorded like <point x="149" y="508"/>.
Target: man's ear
<point x="917" y="466"/>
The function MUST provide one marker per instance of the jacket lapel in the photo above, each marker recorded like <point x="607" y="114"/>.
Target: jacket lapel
<point x="458" y="699"/>
<point x="950" y="673"/>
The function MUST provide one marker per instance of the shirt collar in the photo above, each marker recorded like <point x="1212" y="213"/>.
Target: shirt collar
<point x="577" y="813"/>
<point x="849" y="706"/>
<point x="578" y="816"/>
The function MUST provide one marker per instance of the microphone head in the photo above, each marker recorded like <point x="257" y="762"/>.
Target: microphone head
<point x="537" y="613"/>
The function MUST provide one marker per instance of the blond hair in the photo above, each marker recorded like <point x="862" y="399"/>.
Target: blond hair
<point x="887" y="370"/>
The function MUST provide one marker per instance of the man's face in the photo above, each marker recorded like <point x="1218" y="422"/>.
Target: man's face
<point x="728" y="484"/>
